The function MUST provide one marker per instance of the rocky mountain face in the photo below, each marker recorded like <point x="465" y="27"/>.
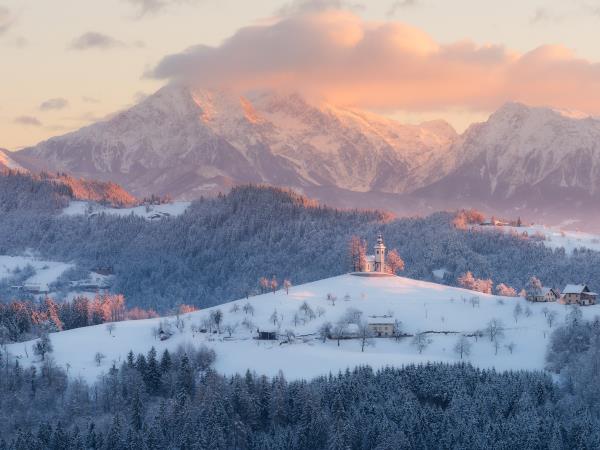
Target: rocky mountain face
<point x="187" y="142"/>
<point x="534" y="162"/>
<point x="7" y="163"/>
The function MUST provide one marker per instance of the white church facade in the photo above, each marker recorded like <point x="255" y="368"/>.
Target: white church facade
<point x="376" y="263"/>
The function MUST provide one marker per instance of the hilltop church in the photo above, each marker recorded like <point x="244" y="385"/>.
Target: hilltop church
<point x="376" y="262"/>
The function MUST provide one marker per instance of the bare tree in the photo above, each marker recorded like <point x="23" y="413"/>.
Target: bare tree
<point x="545" y="310"/>
<point x="246" y="323"/>
<point x="357" y="250"/>
<point x="325" y="331"/>
<point x="551" y="318"/>
<point x="248" y="309"/>
<point x="393" y="262"/>
<point x="365" y="334"/>
<point x="528" y="311"/>
<point x="230" y="328"/>
<point x="274" y="317"/>
<point x="421" y="341"/>
<point x="495" y="329"/>
<point x="273" y="284"/>
<point x="511" y="347"/>
<point x="338" y="330"/>
<point x="353" y="315"/>
<point x="474" y="301"/>
<point x="463" y="347"/>
<point x="234" y="308"/>
<point x="307" y="312"/>
<point x="216" y="317"/>
<point x="331" y="298"/>
<point x="43" y="346"/>
<point x="496" y="344"/>
<point x="110" y="327"/>
<point x="287" y="284"/>
<point x="320" y="311"/>
<point x="263" y="283"/>
<point x="98" y="357"/>
<point x="179" y="324"/>
<point x="397" y="329"/>
<point x="517" y="311"/>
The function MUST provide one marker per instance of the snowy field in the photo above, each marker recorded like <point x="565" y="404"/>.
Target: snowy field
<point x="421" y="306"/>
<point x="87" y="208"/>
<point x="555" y="237"/>
<point x="46" y="271"/>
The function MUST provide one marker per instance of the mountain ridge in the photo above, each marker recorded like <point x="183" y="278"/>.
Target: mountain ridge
<point x="532" y="161"/>
<point x="210" y="139"/>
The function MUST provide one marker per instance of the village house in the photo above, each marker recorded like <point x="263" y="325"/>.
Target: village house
<point x="382" y="326"/>
<point x="545" y="294"/>
<point x="578" y="294"/>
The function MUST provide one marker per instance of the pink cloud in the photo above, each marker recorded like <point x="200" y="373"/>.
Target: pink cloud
<point x="386" y="66"/>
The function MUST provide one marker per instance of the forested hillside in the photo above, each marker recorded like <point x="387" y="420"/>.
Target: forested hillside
<point x="44" y="192"/>
<point x="174" y="400"/>
<point x="218" y="249"/>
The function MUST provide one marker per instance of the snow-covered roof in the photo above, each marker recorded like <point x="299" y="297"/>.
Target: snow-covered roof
<point x="547" y="290"/>
<point x="389" y="320"/>
<point x="575" y="289"/>
<point x="370" y="258"/>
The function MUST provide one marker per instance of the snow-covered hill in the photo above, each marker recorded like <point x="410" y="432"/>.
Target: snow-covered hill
<point x="187" y="142"/>
<point x="553" y="237"/>
<point x="150" y="212"/>
<point x="420" y="306"/>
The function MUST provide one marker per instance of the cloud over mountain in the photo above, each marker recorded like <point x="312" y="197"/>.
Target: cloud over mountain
<point x="385" y="65"/>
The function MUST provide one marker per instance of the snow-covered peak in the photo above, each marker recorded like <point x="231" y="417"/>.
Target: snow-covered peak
<point x="7" y="162"/>
<point x="186" y="141"/>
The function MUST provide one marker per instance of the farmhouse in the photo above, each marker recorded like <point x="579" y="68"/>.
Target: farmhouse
<point x="545" y="294"/>
<point x="381" y="326"/>
<point x="578" y="294"/>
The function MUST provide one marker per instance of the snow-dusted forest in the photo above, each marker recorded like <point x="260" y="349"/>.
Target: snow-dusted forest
<point x="219" y="248"/>
<point x="175" y="400"/>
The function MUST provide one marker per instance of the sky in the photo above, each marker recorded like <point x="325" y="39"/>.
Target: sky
<point x="68" y="63"/>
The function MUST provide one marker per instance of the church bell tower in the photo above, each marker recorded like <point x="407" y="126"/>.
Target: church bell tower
<point x="379" y="254"/>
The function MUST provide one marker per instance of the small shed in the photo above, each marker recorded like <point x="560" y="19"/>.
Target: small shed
<point x="266" y="335"/>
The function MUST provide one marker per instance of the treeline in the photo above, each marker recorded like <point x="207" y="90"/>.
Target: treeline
<point x="27" y="319"/>
<point x="175" y="401"/>
<point x="47" y="193"/>
<point x="217" y="250"/>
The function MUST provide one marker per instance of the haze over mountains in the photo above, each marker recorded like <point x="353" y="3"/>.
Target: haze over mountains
<point x="535" y="162"/>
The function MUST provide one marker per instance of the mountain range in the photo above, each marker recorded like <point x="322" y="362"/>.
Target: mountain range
<point x="188" y="142"/>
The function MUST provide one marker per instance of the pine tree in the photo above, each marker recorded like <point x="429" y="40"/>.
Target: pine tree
<point x="137" y="413"/>
<point x="185" y="383"/>
<point x="152" y="376"/>
<point x="130" y="359"/>
<point x="114" y="437"/>
<point x="165" y="362"/>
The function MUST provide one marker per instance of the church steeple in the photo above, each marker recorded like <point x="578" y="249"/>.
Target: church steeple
<point x="379" y="254"/>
